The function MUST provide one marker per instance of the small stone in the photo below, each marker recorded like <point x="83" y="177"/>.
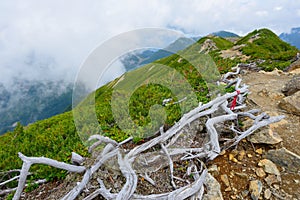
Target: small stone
<point x="276" y="187"/>
<point x="269" y="167"/>
<point x="234" y="152"/>
<point x="241" y="155"/>
<point x="214" y="170"/>
<point x="296" y="181"/>
<point x="225" y="180"/>
<point x="244" y="193"/>
<point x="267" y="194"/>
<point x="255" y="188"/>
<point x="242" y="175"/>
<point x="235" y="160"/>
<point x="249" y="155"/>
<point x="223" y="152"/>
<point x="233" y="196"/>
<point x="271" y="179"/>
<point x="228" y="189"/>
<point x="259" y="151"/>
<point x="260" y="172"/>
<point x="231" y="156"/>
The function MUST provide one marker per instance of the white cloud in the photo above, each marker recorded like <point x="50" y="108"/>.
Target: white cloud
<point x="277" y="8"/>
<point x="67" y="32"/>
<point x="262" y="13"/>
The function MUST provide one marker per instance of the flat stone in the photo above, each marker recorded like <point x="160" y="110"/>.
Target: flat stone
<point x="291" y="103"/>
<point x="213" y="188"/>
<point x="255" y="188"/>
<point x="271" y="179"/>
<point x="260" y="172"/>
<point x="265" y="136"/>
<point x="225" y="180"/>
<point x="267" y="194"/>
<point x="285" y="158"/>
<point x="269" y="166"/>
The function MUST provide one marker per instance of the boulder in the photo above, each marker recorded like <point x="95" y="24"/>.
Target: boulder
<point x="292" y="86"/>
<point x="269" y="167"/>
<point x="285" y="158"/>
<point x="291" y="103"/>
<point x="265" y="136"/>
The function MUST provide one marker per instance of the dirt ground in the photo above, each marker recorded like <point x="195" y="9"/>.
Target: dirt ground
<point x="266" y="92"/>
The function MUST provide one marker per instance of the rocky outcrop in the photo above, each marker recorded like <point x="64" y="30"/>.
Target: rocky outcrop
<point x="207" y="46"/>
<point x="291" y="103"/>
<point x="294" y="65"/>
<point x="265" y="136"/>
<point x="292" y="86"/>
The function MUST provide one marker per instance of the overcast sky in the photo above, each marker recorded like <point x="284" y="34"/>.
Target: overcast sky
<point x="46" y="39"/>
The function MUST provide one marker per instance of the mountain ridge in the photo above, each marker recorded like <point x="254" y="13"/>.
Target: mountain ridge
<point x="56" y="137"/>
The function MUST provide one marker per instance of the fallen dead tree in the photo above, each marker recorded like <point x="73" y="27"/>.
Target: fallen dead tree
<point x="225" y="110"/>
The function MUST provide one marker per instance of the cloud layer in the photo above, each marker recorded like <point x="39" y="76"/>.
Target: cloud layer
<point x="51" y="39"/>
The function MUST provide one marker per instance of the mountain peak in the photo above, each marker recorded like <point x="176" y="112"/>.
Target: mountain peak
<point x="225" y="34"/>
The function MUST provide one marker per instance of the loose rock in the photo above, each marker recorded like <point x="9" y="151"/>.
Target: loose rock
<point x="259" y="151"/>
<point x="225" y="180"/>
<point x="285" y="158"/>
<point x="241" y="155"/>
<point x="255" y="188"/>
<point x="267" y="194"/>
<point x="213" y="170"/>
<point x="291" y="103"/>
<point x="265" y="136"/>
<point x="292" y="86"/>
<point x="271" y="179"/>
<point x="260" y="172"/>
<point x="213" y="188"/>
<point x="269" y="167"/>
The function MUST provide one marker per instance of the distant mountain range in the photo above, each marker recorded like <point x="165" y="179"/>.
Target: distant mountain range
<point x="225" y="34"/>
<point x="138" y="58"/>
<point x="34" y="101"/>
<point x="293" y="37"/>
<point x="28" y="101"/>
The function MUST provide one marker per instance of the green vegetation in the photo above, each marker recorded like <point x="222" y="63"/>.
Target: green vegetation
<point x="265" y="45"/>
<point x="141" y="93"/>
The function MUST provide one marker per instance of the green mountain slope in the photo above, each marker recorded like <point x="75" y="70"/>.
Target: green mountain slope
<point x="267" y="46"/>
<point x="172" y="77"/>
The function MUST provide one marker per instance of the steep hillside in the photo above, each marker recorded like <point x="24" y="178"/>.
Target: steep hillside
<point x="56" y="137"/>
<point x="27" y="101"/>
